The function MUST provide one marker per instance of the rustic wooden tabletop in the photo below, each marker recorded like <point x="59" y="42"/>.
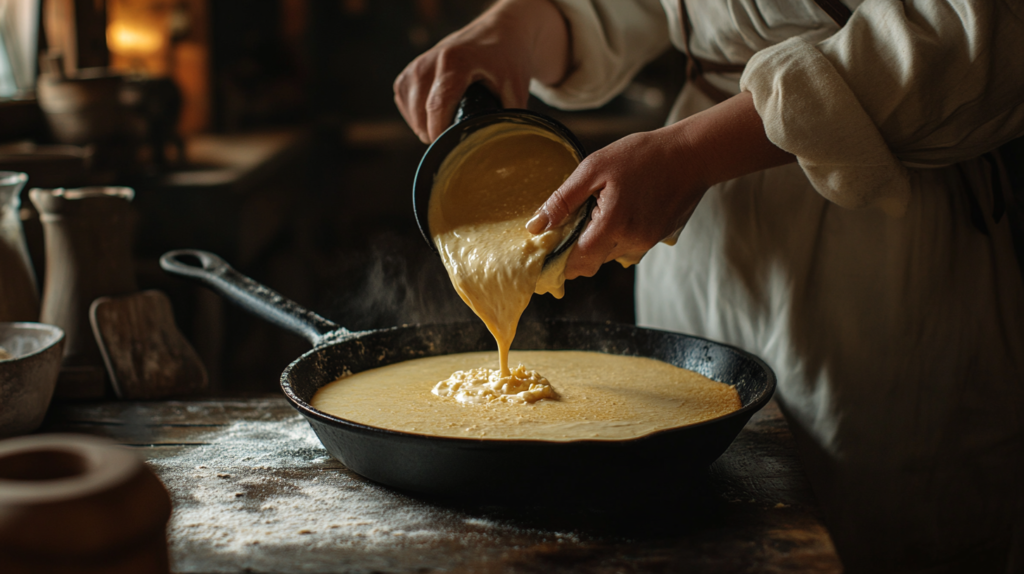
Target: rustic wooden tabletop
<point x="254" y="491"/>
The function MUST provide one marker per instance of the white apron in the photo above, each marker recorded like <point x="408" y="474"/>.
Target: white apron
<point x="898" y="341"/>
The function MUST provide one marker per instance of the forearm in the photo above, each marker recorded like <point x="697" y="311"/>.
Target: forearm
<point x="546" y="34"/>
<point x="728" y="141"/>
<point x="552" y="52"/>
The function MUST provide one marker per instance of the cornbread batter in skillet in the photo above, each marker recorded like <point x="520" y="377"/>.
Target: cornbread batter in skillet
<point x="601" y="397"/>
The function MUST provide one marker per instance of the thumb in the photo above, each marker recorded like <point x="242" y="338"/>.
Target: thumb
<point x="563" y="203"/>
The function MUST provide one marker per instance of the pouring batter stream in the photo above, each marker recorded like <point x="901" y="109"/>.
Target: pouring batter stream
<point x="485" y="192"/>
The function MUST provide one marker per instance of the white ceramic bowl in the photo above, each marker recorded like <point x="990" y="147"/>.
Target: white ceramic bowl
<point x="27" y="380"/>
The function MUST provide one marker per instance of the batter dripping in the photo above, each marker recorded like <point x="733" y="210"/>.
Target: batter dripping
<point x="485" y="192"/>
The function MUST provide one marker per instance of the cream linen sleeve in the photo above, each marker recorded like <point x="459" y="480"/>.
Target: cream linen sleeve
<point x="611" y="41"/>
<point x="914" y="83"/>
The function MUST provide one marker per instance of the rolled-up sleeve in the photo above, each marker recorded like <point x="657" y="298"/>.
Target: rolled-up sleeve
<point x="905" y="84"/>
<point x="611" y="41"/>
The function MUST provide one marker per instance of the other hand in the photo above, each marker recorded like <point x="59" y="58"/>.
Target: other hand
<point x="648" y="184"/>
<point x="512" y="42"/>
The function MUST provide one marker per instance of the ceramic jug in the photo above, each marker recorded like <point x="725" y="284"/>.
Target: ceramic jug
<point x="19" y="297"/>
<point x="88" y="255"/>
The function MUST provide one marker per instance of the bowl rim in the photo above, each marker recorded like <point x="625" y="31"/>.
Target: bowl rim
<point x="56" y="335"/>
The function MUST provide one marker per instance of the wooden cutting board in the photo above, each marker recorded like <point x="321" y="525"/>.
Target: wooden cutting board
<point x="146" y="355"/>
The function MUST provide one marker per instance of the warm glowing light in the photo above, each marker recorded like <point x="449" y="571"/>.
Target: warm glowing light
<point x="127" y="39"/>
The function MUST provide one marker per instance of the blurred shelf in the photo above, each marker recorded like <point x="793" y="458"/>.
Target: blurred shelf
<point x="234" y="162"/>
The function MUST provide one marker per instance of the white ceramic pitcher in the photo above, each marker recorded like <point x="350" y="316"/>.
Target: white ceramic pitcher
<point x="19" y="297"/>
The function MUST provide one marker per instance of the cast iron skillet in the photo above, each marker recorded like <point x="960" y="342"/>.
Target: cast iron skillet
<point x="478" y="109"/>
<point x="475" y="468"/>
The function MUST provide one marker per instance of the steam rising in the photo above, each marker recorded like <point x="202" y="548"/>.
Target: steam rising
<point x="401" y="281"/>
<point x="402" y="285"/>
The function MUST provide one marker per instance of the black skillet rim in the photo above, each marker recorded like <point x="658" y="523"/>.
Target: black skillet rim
<point x="461" y="130"/>
<point x="309" y="411"/>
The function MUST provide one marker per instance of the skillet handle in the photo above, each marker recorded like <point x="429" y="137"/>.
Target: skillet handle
<point x="209" y="269"/>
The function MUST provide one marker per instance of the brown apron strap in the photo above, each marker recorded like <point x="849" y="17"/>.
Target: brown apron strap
<point x="696" y="68"/>
<point x="835" y="10"/>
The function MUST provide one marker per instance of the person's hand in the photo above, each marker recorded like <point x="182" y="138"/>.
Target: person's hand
<point x="648" y="184"/>
<point x="504" y="48"/>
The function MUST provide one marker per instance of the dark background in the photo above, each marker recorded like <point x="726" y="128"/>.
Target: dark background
<point x="318" y="205"/>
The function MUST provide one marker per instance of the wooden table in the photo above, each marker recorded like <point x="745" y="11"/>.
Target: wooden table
<point x="254" y="491"/>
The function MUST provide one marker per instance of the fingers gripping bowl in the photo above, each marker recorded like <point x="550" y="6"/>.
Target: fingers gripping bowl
<point x="463" y="467"/>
